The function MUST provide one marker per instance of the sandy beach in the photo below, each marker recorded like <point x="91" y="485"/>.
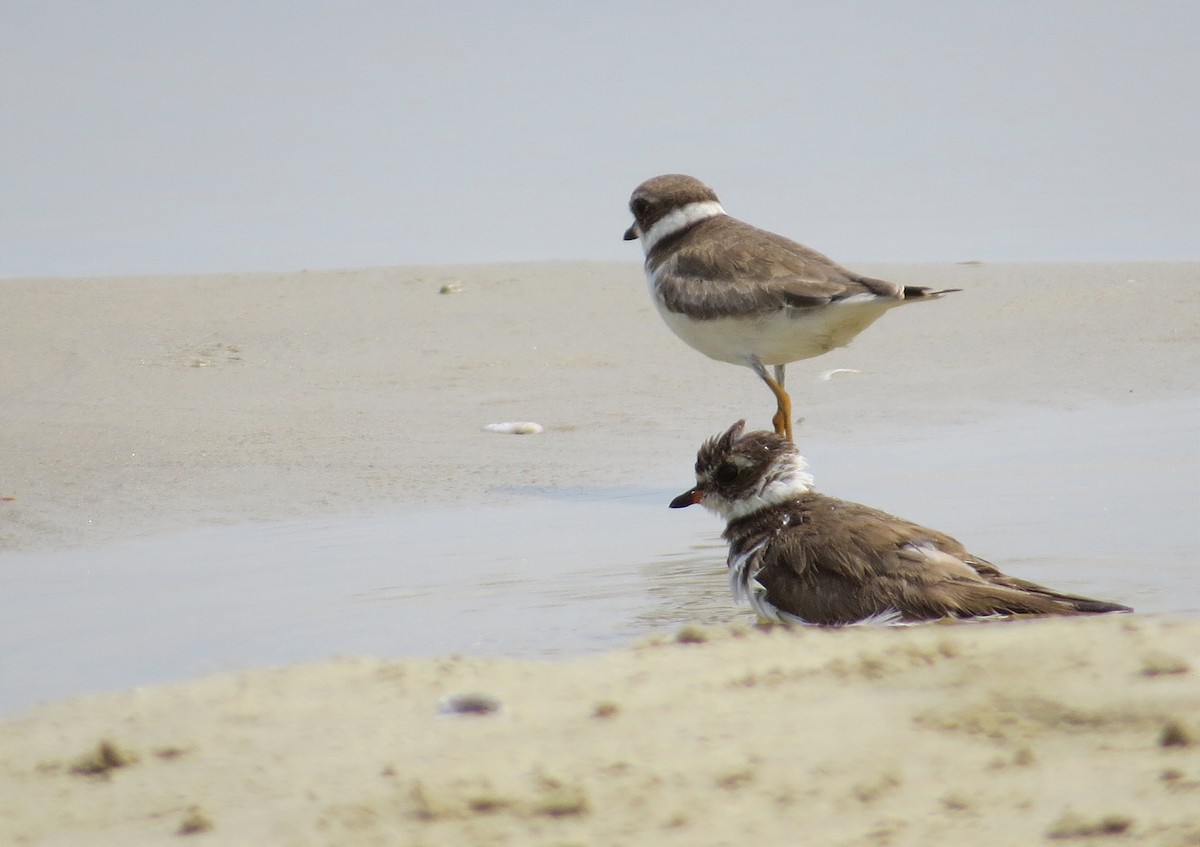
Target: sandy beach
<point x="1047" y="415"/>
<point x="136" y="406"/>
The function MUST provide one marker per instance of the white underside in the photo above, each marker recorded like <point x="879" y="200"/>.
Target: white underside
<point x="745" y="587"/>
<point x="787" y="335"/>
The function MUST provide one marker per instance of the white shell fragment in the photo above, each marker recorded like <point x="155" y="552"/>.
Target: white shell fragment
<point x="830" y="374"/>
<point x="515" y="428"/>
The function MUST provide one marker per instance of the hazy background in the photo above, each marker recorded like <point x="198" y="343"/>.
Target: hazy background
<point x="142" y="137"/>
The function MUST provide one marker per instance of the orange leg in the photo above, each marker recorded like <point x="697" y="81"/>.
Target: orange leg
<point x="782" y="419"/>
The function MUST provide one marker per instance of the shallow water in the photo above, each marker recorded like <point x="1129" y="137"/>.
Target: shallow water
<point x="1103" y="501"/>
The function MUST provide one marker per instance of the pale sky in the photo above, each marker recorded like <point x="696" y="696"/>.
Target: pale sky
<point x="151" y="137"/>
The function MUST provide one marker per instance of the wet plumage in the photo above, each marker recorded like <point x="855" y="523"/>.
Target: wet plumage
<point x="798" y="555"/>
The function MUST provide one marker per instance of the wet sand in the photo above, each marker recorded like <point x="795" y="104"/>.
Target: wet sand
<point x="1046" y="415"/>
<point x="139" y="406"/>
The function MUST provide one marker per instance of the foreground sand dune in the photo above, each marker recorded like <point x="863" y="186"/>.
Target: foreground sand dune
<point x="998" y="734"/>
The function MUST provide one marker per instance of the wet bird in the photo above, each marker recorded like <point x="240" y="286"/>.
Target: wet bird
<point x="799" y="556"/>
<point x="747" y="296"/>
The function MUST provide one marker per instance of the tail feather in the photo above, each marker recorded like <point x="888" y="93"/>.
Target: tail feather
<point x="1096" y="607"/>
<point x="1074" y="603"/>
<point x="1042" y="600"/>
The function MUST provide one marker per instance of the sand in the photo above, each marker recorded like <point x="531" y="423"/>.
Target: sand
<point x="977" y="734"/>
<point x="136" y="407"/>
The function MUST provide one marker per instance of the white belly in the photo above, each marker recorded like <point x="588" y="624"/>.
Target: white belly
<point x="781" y="337"/>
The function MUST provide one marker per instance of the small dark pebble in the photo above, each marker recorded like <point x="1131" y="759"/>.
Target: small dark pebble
<point x="605" y="709"/>
<point x="469" y="704"/>
<point x="1071" y="825"/>
<point x="1175" y="734"/>
<point x="195" y="822"/>
<point x="106" y="757"/>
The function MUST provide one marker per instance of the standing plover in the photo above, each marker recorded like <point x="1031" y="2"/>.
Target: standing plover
<point x="743" y="295"/>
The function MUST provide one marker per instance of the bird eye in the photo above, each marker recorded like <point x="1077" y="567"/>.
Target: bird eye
<point x="726" y="474"/>
<point x="639" y="205"/>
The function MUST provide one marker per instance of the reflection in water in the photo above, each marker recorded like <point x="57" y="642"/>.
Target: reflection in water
<point x="1102" y="502"/>
<point x="688" y="586"/>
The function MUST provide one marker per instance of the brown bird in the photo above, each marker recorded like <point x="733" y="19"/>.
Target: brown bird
<point x="747" y="296"/>
<point x="800" y="556"/>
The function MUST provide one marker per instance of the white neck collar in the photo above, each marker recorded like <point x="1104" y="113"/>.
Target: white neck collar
<point x="679" y="219"/>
